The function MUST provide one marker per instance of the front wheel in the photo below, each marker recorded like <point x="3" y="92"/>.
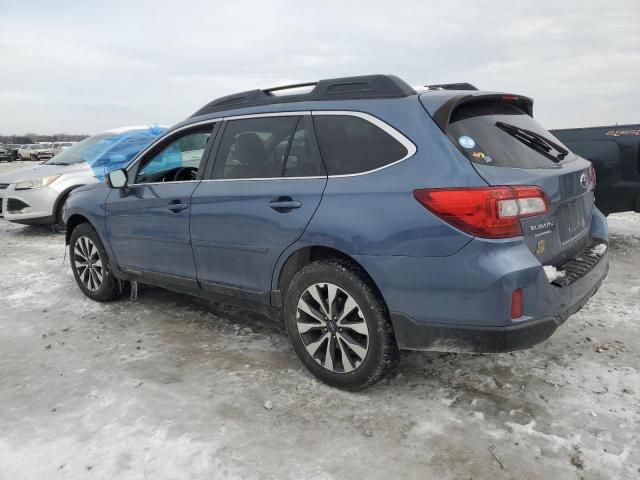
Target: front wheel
<point x="339" y="326"/>
<point x="90" y="265"/>
<point x="34" y="158"/>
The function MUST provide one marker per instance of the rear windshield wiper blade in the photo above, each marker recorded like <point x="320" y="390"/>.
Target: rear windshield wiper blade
<point x="535" y="140"/>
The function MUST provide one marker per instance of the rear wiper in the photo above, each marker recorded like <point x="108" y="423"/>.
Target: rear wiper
<point x="535" y="141"/>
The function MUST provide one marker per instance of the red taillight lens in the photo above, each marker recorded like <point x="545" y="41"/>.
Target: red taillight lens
<point x="592" y="177"/>
<point x="488" y="212"/>
<point x="516" y="303"/>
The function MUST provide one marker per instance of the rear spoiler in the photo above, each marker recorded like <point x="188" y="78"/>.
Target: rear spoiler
<point x="443" y="114"/>
<point x="452" y="86"/>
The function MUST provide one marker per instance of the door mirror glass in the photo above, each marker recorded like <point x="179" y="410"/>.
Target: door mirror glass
<point x="117" y="179"/>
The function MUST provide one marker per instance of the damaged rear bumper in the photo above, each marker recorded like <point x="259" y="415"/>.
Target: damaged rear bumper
<point x="413" y="335"/>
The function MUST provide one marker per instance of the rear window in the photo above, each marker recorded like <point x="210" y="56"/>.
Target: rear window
<point x="503" y="135"/>
<point x="352" y="144"/>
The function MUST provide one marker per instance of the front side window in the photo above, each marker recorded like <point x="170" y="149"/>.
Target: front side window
<point x="351" y="144"/>
<point x="180" y="160"/>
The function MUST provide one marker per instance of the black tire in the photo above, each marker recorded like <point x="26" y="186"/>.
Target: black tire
<point x="34" y="158"/>
<point x="110" y="287"/>
<point x="382" y="352"/>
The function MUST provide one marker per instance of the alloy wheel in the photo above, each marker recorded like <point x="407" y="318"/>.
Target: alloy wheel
<point x="88" y="263"/>
<point x="332" y="327"/>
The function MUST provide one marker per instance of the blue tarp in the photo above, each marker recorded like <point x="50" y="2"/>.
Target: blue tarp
<point x="116" y="151"/>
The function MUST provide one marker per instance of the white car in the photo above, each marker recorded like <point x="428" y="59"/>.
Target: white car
<point x="58" y="147"/>
<point x="35" y="152"/>
<point x="37" y="194"/>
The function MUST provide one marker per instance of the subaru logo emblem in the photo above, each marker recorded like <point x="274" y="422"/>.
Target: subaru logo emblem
<point x="584" y="180"/>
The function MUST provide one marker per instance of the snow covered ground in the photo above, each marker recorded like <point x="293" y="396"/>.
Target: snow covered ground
<point x="168" y="387"/>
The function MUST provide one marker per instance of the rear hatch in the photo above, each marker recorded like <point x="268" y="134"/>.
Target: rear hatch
<point x="506" y="146"/>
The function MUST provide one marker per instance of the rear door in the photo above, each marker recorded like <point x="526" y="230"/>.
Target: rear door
<point x="508" y="147"/>
<point x="266" y="184"/>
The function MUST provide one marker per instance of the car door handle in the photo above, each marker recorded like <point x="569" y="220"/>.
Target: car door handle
<point x="176" y="206"/>
<point x="284" y="204"/>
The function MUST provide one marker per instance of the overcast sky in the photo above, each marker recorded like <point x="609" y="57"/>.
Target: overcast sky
<point x="83" y="67"/>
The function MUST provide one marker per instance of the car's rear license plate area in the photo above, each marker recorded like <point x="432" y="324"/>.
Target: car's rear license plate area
<point x="570" y="220"/>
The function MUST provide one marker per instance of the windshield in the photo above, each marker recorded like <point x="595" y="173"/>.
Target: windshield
<point x="108" y="151"/>
<point x="77" y="153"/>
<point x="501" y="134"/>
<point x="36" y="145"/>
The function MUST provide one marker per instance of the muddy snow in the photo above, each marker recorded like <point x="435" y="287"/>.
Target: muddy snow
<point x="171" y="387"/>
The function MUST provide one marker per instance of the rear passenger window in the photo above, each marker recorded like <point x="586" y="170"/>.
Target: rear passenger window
<point x="268" y="147"/>
<point x="352" y="144"/>
<point x="303" y="158"/>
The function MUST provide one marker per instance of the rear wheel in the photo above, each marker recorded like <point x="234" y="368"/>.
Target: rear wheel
<point x="90" y="265"/>
<point x="339" y="326"/>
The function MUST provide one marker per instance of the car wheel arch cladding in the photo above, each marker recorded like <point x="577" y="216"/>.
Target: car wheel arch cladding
<point x="63" y="197"/>
<point x="296" y="260"/>
<point x="74" y="221"/>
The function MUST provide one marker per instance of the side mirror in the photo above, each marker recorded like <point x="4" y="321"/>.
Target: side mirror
<point x="117" y="179"/>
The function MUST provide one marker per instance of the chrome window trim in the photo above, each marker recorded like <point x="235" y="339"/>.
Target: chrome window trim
<point x="403" y="140"/>
<point x="316" y="177"/>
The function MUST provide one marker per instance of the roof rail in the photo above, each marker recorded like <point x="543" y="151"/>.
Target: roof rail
<point x="452" y="86"/>
<point x="347" y="88"/>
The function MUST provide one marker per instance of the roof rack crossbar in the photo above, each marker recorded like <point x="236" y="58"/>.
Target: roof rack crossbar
<point x="347" y="88"/>
<point x="290" y="87"/>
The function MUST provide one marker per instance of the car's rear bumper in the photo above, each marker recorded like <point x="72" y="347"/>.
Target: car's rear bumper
<point x="413" y="335"/>
<point x="462" y="302"/>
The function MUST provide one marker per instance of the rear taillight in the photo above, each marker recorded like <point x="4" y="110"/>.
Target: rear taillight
<point x="592" y="177"/>
<point x="488" y="212"/>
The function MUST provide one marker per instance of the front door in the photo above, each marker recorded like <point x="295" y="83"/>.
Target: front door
<point x="148" y="222"/>
<point x="267" y="183"/>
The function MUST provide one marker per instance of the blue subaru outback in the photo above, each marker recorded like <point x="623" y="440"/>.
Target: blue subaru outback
<point x="370" y="216"/>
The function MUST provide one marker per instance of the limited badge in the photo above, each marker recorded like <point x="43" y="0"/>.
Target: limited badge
<point x="540" y="247"/>
<point x="466" y="142"/>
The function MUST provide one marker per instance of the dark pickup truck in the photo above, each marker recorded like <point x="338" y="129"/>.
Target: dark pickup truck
<point x="615" y="153"/>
